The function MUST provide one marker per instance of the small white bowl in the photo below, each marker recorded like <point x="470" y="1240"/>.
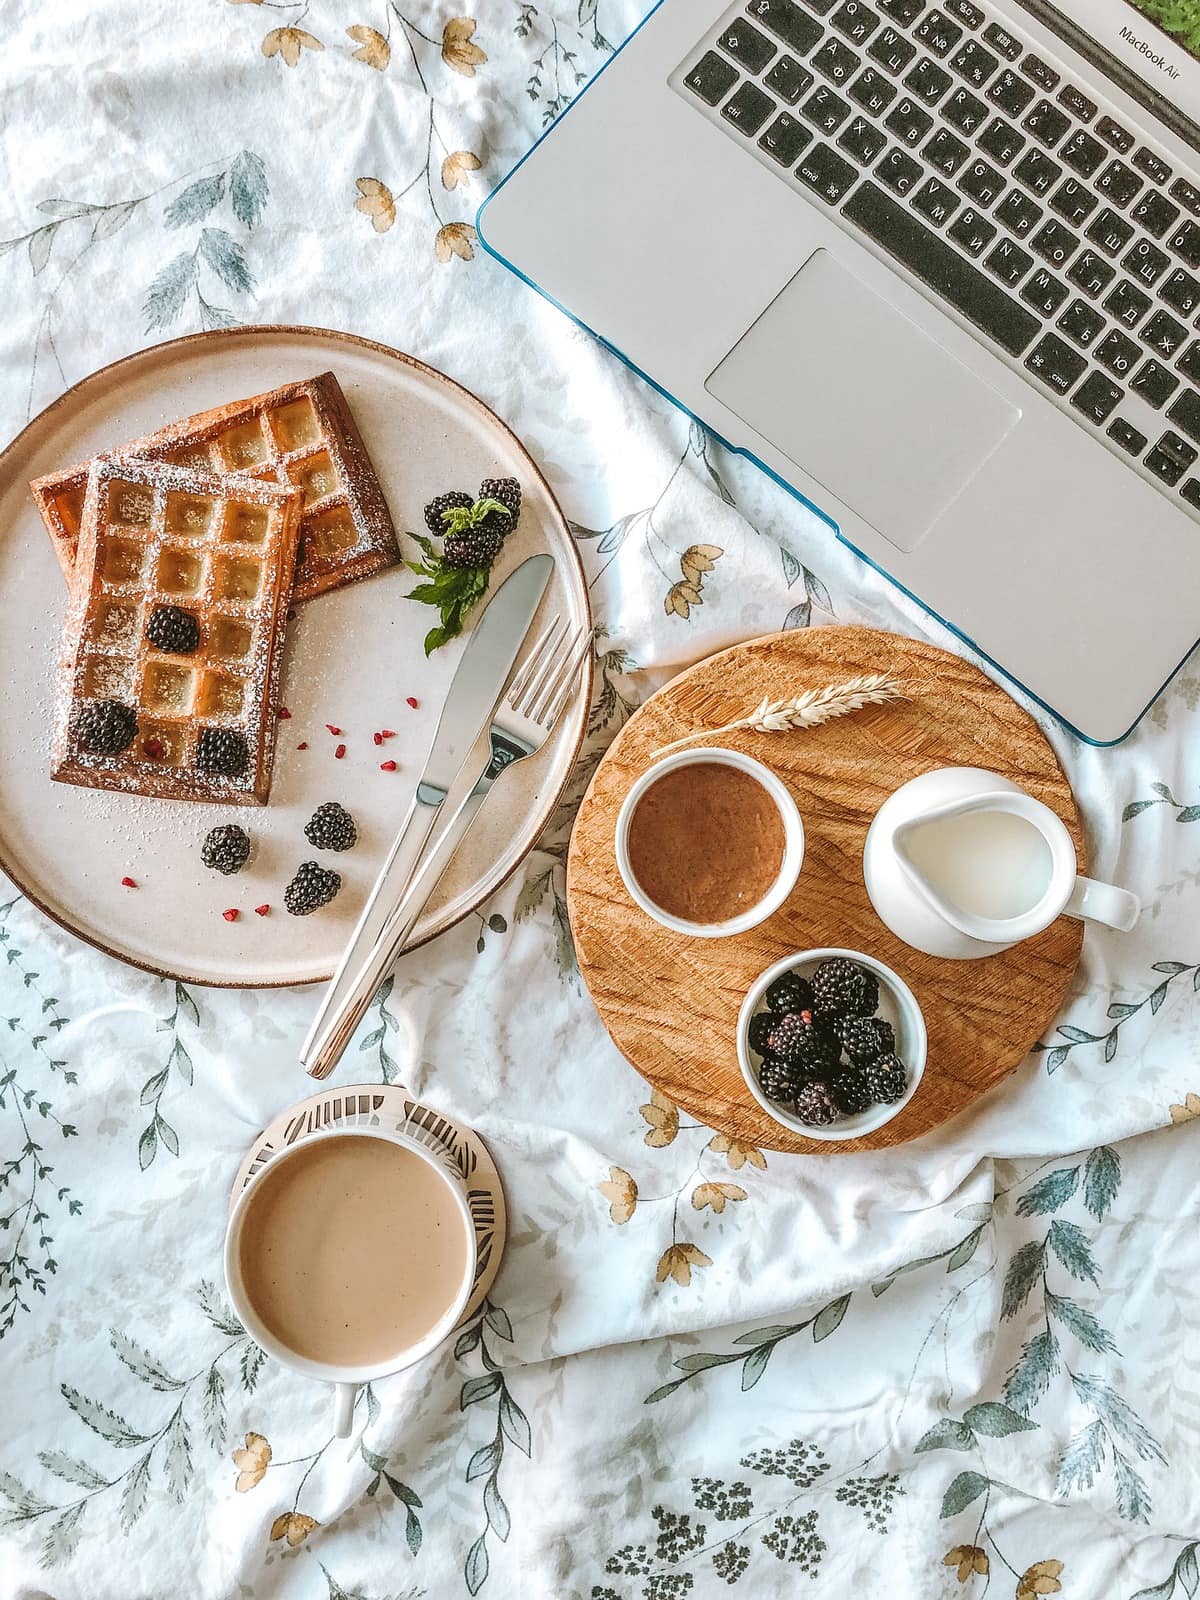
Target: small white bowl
<point x="897" y="1005"/>
<point x="793" y="842"/>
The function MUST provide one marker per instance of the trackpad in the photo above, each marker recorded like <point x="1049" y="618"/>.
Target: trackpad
<point x="862" y="399"/>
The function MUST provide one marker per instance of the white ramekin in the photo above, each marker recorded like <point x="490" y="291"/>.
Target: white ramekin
<point x="793" y="847"/>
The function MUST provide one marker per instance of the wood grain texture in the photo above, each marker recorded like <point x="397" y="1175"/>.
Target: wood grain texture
<point x="670" y="1002"/>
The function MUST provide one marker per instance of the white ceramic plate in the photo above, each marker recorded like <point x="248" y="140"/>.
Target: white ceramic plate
<point x="353" y="659"/>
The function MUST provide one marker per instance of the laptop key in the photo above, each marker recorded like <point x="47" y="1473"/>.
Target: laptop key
<point x="1041" y="72"/>
<point x="855" y="21"/>
<point x="785" y="139"/>
<point x="1081" y="322"/>
<point x="792" y="26"/>
<point x="1181" y="292"/>
<point x="1010" y="93"/>
<point x="861" y="140"/>
<point x="1037" y="172"/>
<point x="903" y="11"/>
<point x="1164" y="335"/>
<point x="905" y="237"/>
<point x="827" y="174"/>
<point x="946" y="154"/>
<point x="1110" y="231"/>
<point x="1127" y="436"/>
<point x="1127" y="304"/>
<point x="971" y="232"/>
<point x="747" y="46"/>
<point x="1191" y="492"/>
<point x="1187" y="194"/>
<point x="1118" y="353"/>
<point x="963" y="111"/>
<point x="1001" y="141"/>
<point x="748" y="109"/>
<point x="908" y="122"/>
<point x="935" y="201"/>
<point x="1055" y="363"/>
<point x="1008" y="263"/>
<point x="1185" y="413"/>
<point x="1154" y="213"/>
<point x="928" y="81"/>
<point x="1047" y="124"/>
<point x="1055" y="243"/>
<point x="1082" y="153"/>
<point x="1018" y="213"/>
<point x="825" y="109"/>
<point x="1189" y="363"/>
<point x="1000" y="39"/>
<point x="836" y="61"/>
<point x="898" y="171"/>
<point x="788" y="80"/>
<point x="1152" y="166"/>
<point x="1170" y="458"/>
<point x="1098" y="397"/>
<point x="937" y="33"/>
<point x="1114" y="134"/>
<point x="892" y="51"/>
<point x="872" y="91"/>
<point x="712" y="78"/>
<point x="1185" y="243"/>
<point x="1118" y="183"/>
<point x="964" y="11"/>
<point x="1091" y="273"/>
<point x="821" y="7"/>
<point x="1154" y="383"/>
<point x="981" y="181"/>
<point x="1077" y="103"/>
<point x="974" y="63"/>
<point x="1145" y="262"/>
<point x="1044" y="292"/>
<point x="1073" y="202"/>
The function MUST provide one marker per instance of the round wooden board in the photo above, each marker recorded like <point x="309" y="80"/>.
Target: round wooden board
<point x="670" y="1002"/>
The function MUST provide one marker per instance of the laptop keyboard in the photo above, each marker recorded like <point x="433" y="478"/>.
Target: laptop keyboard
<point x="938" y="134"/>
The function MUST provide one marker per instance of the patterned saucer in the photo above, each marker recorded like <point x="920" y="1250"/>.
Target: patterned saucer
<point x="393" y="1106"/>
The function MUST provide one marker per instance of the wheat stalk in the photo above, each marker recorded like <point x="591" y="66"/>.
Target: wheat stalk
<point x="806" y="710"/>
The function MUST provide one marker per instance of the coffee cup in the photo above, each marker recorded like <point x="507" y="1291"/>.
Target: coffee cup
<point x="350" y="1254"/>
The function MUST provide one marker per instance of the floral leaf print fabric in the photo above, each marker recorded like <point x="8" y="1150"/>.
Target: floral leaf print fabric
<point x="964" y="1366"/>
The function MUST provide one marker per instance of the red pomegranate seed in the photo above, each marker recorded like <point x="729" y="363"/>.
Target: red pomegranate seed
<point x="378" y="738"/>
<point x="303" y="745"/>
<point x="284" y="714"/>
<point x="389" y="733"/>
<point x="262" y="911"/>
<point x="154" y="749"/>
<point x="339" y="752"/>
<point x="387" y="766"/>
<point x="332" y="729"/>
<point x="230" y="915"/>
<point x="412" y="701"/>
<point x="129" y="883"/>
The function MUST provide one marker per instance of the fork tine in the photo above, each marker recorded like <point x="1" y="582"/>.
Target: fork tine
<point x="546" y="667"/>
<point x="517" y="687"/>
<point x="559" y="691"/>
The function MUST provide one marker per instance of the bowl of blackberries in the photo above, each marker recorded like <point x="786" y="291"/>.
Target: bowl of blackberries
<point x="831" y="1043"/>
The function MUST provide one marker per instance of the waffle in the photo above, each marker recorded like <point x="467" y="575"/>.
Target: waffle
<point x="301" y="434"/>
<point x="222" y="548"/>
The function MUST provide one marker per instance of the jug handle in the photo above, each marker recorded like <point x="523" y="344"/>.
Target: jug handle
<point x="1104" y="902"/>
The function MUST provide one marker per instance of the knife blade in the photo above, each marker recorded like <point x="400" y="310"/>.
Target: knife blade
<point x="473" y="695"/>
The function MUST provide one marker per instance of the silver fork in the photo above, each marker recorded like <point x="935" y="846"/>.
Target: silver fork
<point x="524" y="720"/>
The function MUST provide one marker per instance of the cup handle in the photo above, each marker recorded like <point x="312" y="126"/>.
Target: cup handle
<point x="1104" y="902"/>
<point x="343" y="1409"/>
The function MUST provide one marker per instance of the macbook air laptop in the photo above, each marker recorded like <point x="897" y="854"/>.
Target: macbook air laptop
<point x="936" y="269"/>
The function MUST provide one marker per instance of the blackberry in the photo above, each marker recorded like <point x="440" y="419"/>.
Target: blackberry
<point x="814" y="1105"/>
<point x="886" y="1079"/>
<point x="507" y="492"/>
<point x="434" y="520"/>
<point x="223" y="752"/>
<point x="104" y="727"/>
<point x="843" y="987"/>
<point x="778" y="1080"/>
<point x="761" y="1024"/>
<point x="226" y="849"/>
<point x="803" y="1043"/>
<point x="863" y="1038"/>
<point x="850" y="1091"/>
<point x="173" y="629"/>
<point x="313" y="886"/>
<point x="477" y="547"/>
<point x="331" y="827"/>
<point x="791" y="992"/>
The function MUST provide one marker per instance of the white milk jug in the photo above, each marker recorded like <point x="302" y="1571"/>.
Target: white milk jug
<point x="962" y="863"/>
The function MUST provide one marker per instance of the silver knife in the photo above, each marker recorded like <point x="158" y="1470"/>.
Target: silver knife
<point x="473" y="695"/>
